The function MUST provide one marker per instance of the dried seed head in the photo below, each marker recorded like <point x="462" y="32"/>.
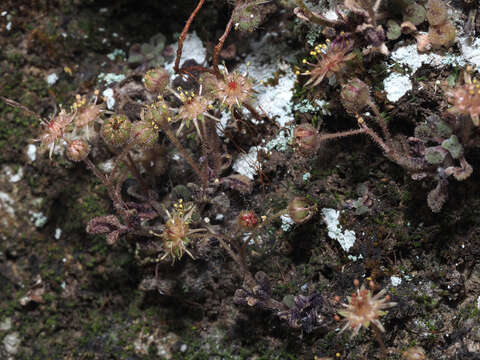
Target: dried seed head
<point x="176" y="231"/>
<point x="77" y="150"/>
<point x="299" y="210"/>
<point x="156" y="80"/>
<point x="234" y="90"/>
<point x="54" y="130"/>
<point x="247" y="220"/>
<point x="306" y="138"/>
<point x="436" y="12"/>
<point x="364" y="308"/>
<point x="116" y="130"/>
<point x="193" y="107"/>
<point x="331" y="59"/>
<point x="355" y="96"/>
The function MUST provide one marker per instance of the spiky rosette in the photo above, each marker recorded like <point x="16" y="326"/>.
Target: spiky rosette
<point x="331" y="59"/>
<point x="234" y="90"/>
<point x="364" y="308"/>
<point x="116" y="130"/>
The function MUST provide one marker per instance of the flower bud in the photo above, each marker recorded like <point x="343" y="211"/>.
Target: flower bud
<point x="246" y="17"/>
<point x="116" y="130"/>
<point x="247" y="220"/>
<point x="156" y="80"/>
<point x="144" y="133"/>
<point x="299" y="210"/>
<point x="355" y="95"/>
<point x="305" y="138"/>
<point x="77" y="150"/>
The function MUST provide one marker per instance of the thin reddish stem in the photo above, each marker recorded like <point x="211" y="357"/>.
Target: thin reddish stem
<point x="183" y="35"/>
<point x="219" y="46"/>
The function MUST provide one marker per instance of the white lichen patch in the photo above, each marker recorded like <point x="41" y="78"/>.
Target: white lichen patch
<point x="6" y="324"/>
<point x="470" y="50"/>
<point x="396" y="85"/>
<point x="315" y="107"/>
<point x="107" y="166"/>
<point x="110" y="100"/>
<point x="346" y="238"/>
<point x="355" y="258"/>
<point x="276" y="100"/>
<point x="395" y="280"/>
<point x="110" y="78"/>
<point x="11" y="342"/>
<point x="117" y="52"/>
<point x="31" y="152"/>
<point x="222" y="124"/>
<point x="6" y="204"/>
<point x="287" y="222"/>
<point x="38" y="218"/>
<point x="248" y="164"/>
<point x="12" y="176"/>
<point x="268" y="60"/>
<point x="281" y="141"/>
<point x="52" y="79"/>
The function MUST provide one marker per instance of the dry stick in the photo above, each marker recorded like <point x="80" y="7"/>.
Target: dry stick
<point x="213" y="140"/>
<point x="136" y="173"/>
<point x="378" y="337"/>
<point x="182" y="150"/>
<point x="205" y="148"/>
<point x="17" y="105"/>
<point x="242" y="269"/>
<point x="219" y="46"/>
<point x="183" y="35"/>
<point x="255" y="114"/>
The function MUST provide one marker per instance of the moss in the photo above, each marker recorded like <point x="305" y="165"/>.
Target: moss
<point x="90" y="203"/>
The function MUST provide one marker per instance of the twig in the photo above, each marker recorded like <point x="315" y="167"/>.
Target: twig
<point x="17" y="105"/>
<point x="183" y="35"/>
<point x="219" y="46"/>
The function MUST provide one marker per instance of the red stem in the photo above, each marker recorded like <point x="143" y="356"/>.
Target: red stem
<point x="183" y="35"/>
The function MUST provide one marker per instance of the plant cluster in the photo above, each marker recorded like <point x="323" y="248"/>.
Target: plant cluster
<point x="437" y="149"/>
